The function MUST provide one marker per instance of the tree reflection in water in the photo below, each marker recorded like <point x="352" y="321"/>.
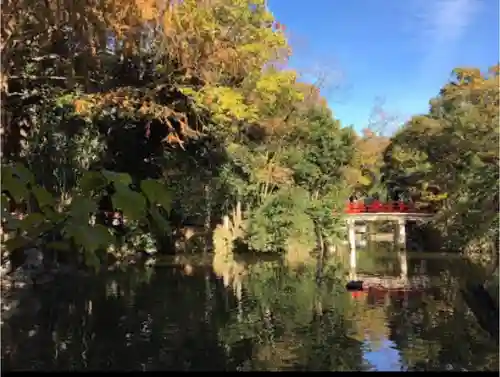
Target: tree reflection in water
<point x="260" y="316"/>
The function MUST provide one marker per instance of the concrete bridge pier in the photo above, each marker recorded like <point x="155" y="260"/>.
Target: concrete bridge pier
<point x="403" y="263"/>
<point x="400" y="244"/>
<point x="400" y="232"/>
<point x="351" y="229"/>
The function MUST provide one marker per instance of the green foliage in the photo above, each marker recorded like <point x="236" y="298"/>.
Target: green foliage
<point x="73" y="221"/>
<point x="447" y="160"/>
<point x="193" y="98"/>
<point x="281" y="217"/>
<point x="323" y="149"/>
<point x="294" y="183"/>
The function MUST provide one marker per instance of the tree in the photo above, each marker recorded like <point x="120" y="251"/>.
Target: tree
<point x="448" y="160"/>
<point x="194" y="89"/>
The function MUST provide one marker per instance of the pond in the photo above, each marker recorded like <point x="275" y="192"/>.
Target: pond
<point x="249" y="315"/>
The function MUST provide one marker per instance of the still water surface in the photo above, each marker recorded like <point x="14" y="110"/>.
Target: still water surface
<point x="258" y="315"/>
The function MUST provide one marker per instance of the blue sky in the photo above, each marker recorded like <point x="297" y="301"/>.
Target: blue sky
<point x="392" y="52"/>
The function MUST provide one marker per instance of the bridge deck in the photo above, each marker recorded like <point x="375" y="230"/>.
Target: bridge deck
<point x="389" y="216"/>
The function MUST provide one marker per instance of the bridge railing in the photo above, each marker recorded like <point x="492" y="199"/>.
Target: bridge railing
<point x="378" y="207"/>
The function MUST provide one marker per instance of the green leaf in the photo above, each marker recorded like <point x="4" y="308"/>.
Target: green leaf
<point x="157" y="193"/>
<point x="130" y="202"/>
<point x="23" y="173"/>
<point x="7" y="172"/>
<point x="91" y="238"/>
<point x="31" y="221"/>
<point x="38" y="229"/>
<point x="15" y="187"/>
<point x="121" y="178"/>
<point x="58" y="245"/>
<point x="53" y="216"/>
<point x="152" y="188"/>
<point x="101" y="236"/>
<point x="92" y="180"/>
<point x="16" y="243"/>
<point x="11" y="223"/>
<point x="5" y="205"/>
<point x="159" y="221"/>
<point x="81" y="208"/>
<point x="92" y="260"/>
<point x="43" y="197"/>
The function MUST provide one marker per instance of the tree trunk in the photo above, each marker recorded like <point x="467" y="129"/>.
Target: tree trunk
<point x="321" y="254"/>
<point x="208" y="217"/>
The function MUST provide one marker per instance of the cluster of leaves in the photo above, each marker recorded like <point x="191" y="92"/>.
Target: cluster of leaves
<point x="294" y="182"/>
<point x="187" y="93"/>
<point x="448" y="159"/>
<point x="73" y="225"/>
<point x="364" y="174"/>
<point x="283" y="216"/>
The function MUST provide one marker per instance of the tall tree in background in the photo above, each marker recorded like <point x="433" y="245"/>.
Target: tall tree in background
<point x="364" y="174"/>
<point x="448" y="159"/>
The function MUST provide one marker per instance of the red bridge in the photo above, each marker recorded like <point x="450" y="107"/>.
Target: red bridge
<point x="379" y="207"/>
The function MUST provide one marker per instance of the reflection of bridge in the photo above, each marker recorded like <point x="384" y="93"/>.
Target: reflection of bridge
<point x="380" y="289"/>
<point x="395" y="282"/>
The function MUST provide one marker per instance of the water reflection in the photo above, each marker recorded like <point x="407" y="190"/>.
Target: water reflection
<point x="249" y="315"/>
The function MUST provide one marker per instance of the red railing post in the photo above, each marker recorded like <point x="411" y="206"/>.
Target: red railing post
<point x="401" y="206"/>
<point x="348" y="208"/>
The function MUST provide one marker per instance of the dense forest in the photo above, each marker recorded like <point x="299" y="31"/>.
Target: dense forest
<point x="124" y="122"/>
